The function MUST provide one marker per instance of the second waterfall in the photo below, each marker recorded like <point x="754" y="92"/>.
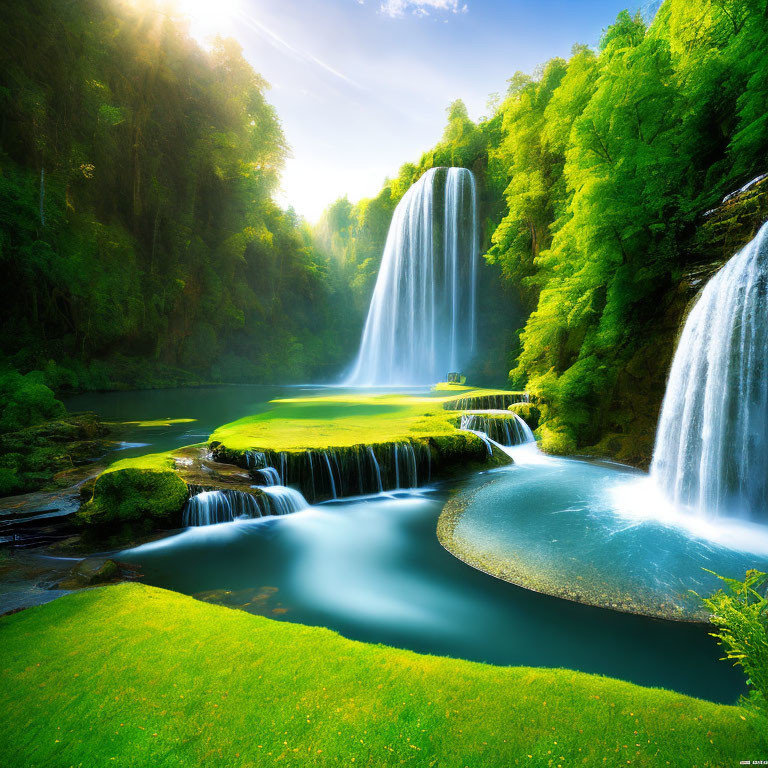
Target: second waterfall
<point x="421" y="321"/>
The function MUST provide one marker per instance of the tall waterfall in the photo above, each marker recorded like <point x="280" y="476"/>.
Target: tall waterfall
<point x="421" y="322"/>
<point x="712" y="443"/>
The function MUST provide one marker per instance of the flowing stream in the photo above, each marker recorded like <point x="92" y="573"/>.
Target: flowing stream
<point x="371" y="568"/>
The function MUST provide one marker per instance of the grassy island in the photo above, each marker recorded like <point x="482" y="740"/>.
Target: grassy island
<point x="340" y="421"/>
<point x="364" y="443"/>
<point x="144" y="677"/>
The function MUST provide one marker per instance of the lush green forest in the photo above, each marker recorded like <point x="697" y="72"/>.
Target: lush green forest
<point x="596" y="173"/>
<point x="139" y="239"/>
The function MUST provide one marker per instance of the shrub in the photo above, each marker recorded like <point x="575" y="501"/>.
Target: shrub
<point x="26" y="400"/>
<point x="740" y="613"/>
<point x="556" y="439"/>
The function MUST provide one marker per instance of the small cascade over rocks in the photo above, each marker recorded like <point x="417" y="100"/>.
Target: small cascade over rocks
<point x="711" y="453"/>
<point x="340" y="472"/>
<point x="209" y="507"/>
<point x="421" y="321"/>
<point x="212" y="507"/>
<point x="267" y="475"/>
<point x="502" y="427"/>
<point x="284" y="501"/>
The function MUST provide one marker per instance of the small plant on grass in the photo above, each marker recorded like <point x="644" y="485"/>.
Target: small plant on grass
<point x="740" y="613"/>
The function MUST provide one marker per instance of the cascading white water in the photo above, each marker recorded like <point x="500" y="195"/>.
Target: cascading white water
<point x="212" y="507"/>
<point x="268" y="475"/>
<point x="504" y="428"/>
<point x="284" y="501"/>
<point x="711" y="450"/>
<point x="421" y="322"/>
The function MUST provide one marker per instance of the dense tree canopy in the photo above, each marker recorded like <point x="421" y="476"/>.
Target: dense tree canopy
<point x="138" y="234"/>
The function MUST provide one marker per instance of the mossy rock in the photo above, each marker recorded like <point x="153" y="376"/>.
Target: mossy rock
<point x="528" y="412"/>
<point x="139" y="498"/>
<point x="31" y="458"/>
<point x="90" y="572"/>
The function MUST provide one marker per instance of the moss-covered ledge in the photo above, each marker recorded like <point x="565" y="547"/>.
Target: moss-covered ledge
<point x="484" y="399"/>
<point x="328" y="447"/>
<point x="346" y="445"/>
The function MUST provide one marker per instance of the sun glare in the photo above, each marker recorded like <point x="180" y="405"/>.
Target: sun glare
<point x="209" y="17"/>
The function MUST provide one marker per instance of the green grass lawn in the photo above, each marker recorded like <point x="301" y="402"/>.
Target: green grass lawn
<point x="135" y="676"/>
<point x="339" y="421"/>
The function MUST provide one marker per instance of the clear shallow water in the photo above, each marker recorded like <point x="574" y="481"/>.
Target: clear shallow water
<point x="599" y="532"/>
<point x="373" y="570"/>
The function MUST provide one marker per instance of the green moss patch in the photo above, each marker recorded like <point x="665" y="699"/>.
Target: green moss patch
<point x="32" y="459"/>
<point x="337" y="422"/>
<point x="340" y="421"/>
<point x="133" y="675"/>
<point x="131" y="499"/>
<point x="158" y="422"/>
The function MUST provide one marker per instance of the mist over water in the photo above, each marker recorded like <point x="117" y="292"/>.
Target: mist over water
<point x="421" y="322"/>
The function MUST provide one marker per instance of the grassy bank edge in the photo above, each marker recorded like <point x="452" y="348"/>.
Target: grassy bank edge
<point x="135" y="675"/>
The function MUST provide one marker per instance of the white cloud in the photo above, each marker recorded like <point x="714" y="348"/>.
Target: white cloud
<point x="397" y="8"/>
<point x="278" y="42"/>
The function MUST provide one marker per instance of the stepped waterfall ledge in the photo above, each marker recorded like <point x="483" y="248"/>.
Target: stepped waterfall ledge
<point x="711" y="452"/>
<point x="421" y="322"/>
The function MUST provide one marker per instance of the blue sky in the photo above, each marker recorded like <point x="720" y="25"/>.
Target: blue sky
<point x="362" y="86"/>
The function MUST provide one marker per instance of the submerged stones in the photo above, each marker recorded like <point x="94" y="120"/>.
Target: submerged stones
<point x="530" y="546"/>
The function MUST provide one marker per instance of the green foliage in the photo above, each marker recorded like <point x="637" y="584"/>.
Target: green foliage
<point x="30" y="458"/>
<point x="528" y="412"/>
<point x="136" y="212"/>
<point x="556" y="438"/>
<point x="138" y="674"/>
<point x="608" y="160"/>
<point x="594" y="173"/>
<point x="25" y="401"/>
<point x="740" y="613"/>
<point x="135" y="499"/>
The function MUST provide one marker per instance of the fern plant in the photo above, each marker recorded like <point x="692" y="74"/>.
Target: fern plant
<point x="740" y="613"/>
